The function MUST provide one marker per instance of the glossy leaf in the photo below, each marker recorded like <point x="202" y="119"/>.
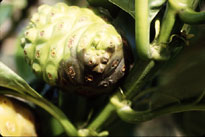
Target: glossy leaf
<point x="11" y="80"/>
<point x="100" y="4"/>
<point x="103" y="3"/>
<point x="128" y="6"/>
<point x="155" y="6"/>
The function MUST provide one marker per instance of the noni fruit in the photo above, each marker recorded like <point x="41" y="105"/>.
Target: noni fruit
<point x="15" y="120"/>
<point x="73" y="48"/>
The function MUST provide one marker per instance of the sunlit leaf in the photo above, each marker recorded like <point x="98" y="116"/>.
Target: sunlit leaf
<point x="126" y="5"/>
<point x="11" y="80"/>
<point x="129" y="6"/>
<point x="155" y="6"/>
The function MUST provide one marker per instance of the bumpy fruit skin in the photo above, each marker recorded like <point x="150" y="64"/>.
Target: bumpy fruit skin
<point x="15" y="120"/>
<point x="73" y="48"/>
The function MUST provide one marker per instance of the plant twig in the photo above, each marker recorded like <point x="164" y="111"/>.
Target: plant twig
<point x="142" y="28"/>
<point x="102" y="118"/>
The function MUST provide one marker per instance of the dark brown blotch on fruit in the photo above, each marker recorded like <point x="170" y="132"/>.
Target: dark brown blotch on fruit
<point x="71" y="73"/>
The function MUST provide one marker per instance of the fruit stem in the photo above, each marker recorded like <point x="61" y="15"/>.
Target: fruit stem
<point x="128" y="114"/>
<point x="133" y="84"/>
<point x="168" y="22"/>
<point x="103" y="117"/>
<point x="184" y="9"/>
<point x="177" y="109"/>
<point x="142" y="28"/>
<point x="190" y="16"/>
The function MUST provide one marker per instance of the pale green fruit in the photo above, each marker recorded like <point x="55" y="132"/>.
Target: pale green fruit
<point x="74" y="48"/>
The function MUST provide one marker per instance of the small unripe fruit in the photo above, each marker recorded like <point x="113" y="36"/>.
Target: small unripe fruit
<point x="15" y="120"/>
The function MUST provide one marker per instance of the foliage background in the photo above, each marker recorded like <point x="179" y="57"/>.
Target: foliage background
<point x="186" y="74"/>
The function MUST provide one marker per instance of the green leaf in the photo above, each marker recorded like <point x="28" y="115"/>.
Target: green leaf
<point x="5" y="12"/>
<point x="126" y="5"/>
<point x="11" y="80"/>
<point x="155" y="6"/>
<point x="103" y="3"/>
<point x="129" y="6"/>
